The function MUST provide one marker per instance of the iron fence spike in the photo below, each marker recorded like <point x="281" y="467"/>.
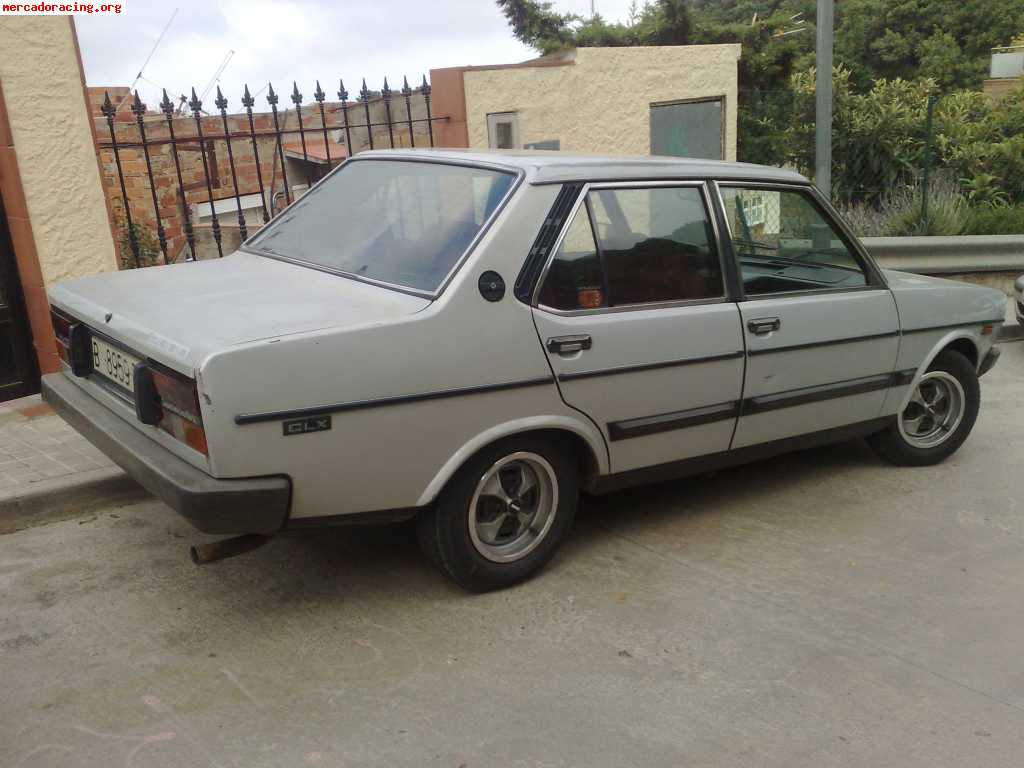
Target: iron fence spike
<point x="296" y="96"/>
<point x="319" y="94"/>
<point x="221" y="102"/>
<point x="247" y="99"/>
<point x="197" y="105"/>
<point x="137" y="106"/>
<point x="342" y="93"/>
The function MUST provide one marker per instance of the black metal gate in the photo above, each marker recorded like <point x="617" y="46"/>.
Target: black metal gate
<point x="19" y="374"/>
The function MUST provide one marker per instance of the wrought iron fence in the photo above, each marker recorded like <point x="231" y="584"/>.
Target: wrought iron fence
<point x="152" y="193"/>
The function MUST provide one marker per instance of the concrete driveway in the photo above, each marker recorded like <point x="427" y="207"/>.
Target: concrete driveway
<point x="821" y="609"/>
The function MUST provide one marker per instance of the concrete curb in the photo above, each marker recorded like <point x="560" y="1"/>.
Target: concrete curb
<point x="65" y="498"/>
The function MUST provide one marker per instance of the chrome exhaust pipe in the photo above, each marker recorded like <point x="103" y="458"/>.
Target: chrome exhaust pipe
<point x="225" y="548"/>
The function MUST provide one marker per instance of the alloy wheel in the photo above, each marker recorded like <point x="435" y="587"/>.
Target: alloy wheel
<point x="513" y="507"/>
<point x="934" y="411"/>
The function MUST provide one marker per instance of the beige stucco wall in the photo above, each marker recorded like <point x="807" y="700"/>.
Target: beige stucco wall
<point x="601" y="102"/>
<point x="54" y="146"/>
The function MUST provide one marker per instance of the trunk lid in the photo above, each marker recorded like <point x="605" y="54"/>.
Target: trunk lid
<point x="179" y="314"/>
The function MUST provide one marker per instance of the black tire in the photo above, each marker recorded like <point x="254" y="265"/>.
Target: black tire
<point x="893" y="446"/>
<point x="444" y="529"/>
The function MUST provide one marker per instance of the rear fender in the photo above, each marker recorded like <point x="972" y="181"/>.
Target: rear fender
<point x="580" y="428"/>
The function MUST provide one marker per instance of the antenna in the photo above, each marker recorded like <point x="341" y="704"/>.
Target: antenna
<point x="217" y="74"/>
<point x="148" y="58"/>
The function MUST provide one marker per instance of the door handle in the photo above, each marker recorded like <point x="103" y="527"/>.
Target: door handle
<point x="764" y="325"/>
<point x="565" y="345"/>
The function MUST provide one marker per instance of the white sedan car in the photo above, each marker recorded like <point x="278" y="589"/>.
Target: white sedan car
<point x="473" y="338"/>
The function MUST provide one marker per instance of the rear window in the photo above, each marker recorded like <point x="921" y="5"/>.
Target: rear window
<point x="399" y="222"/>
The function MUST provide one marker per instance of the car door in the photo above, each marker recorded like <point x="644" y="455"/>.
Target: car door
<point x="822" y="330"/>
<point x="633" y="313"/>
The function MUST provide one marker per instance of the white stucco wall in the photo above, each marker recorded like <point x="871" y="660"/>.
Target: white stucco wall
<point x="601" y="102"/>
<point x="54" y="146"/>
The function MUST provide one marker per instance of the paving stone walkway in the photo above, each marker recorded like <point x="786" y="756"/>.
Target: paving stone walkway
<point x="36" y="445"/>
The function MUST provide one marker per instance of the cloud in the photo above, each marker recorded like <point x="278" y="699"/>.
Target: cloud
<point x="302" y="40"/>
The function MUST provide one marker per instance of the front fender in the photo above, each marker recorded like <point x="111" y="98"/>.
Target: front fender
<point x="981" y="345"/>
<point x="588" y="432"/>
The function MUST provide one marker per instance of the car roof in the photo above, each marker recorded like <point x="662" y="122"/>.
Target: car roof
<point x="555" y="167"/>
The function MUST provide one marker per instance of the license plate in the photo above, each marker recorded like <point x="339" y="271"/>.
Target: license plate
<point x="111" y="363"/>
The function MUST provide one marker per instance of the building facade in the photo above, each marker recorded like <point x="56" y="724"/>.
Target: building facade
<point x="677" y="100"/>
<point x="54" y="221"/>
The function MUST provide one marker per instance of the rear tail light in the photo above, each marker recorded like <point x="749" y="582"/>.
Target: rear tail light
<point x="61" y="329"/>
<point x="169" y="401"/>
<point x="72" y="343"/>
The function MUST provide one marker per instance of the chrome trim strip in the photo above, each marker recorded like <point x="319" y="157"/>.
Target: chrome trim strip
<point x="321" y="410"/>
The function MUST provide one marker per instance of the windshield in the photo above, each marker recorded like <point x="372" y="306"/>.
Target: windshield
<point x="400" y="222"/>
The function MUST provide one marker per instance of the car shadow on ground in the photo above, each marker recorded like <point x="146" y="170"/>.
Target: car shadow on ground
<point x="627" y="513"/>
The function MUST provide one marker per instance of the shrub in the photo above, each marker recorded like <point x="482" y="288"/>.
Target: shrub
<point x="999" y="220"/>
<point x="149" y="248"/>
<point x="899" y="211"/>
<point x="880" y="136"/>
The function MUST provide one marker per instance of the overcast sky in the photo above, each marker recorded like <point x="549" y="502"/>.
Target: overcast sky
<point x="282" y="40"/>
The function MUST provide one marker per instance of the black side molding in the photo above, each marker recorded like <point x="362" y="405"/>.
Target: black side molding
<point x="950" y="326"/>
<point x="667" y="422"/>
<point x="693" y="417"/>
<point x="804" y="395"/>
<point x="700" y="464"/>
<point x="356" y="405"/>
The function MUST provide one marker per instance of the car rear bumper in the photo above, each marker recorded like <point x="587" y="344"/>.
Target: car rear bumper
<point x="250" y="505"/>
<point x="989" y="360"/>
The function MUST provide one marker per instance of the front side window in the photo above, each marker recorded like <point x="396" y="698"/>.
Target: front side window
<point x="784" y="243"/>
<point x="639" y="245"/>
<point x="399" y="222"/>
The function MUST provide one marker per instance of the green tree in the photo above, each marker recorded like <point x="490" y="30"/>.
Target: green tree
<point x="946" y="40"/>
<point x="536" y="23"/>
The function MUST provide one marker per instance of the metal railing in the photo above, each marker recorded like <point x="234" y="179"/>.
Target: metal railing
<point x="956" y="254"/>
<point x="169" y="187"/>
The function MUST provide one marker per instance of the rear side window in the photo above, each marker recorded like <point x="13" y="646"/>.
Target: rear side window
<point x="575" y="279"/>
<point x="633" y="246"/>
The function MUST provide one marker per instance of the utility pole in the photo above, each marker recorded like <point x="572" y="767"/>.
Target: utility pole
<point x="823" y="100"/>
